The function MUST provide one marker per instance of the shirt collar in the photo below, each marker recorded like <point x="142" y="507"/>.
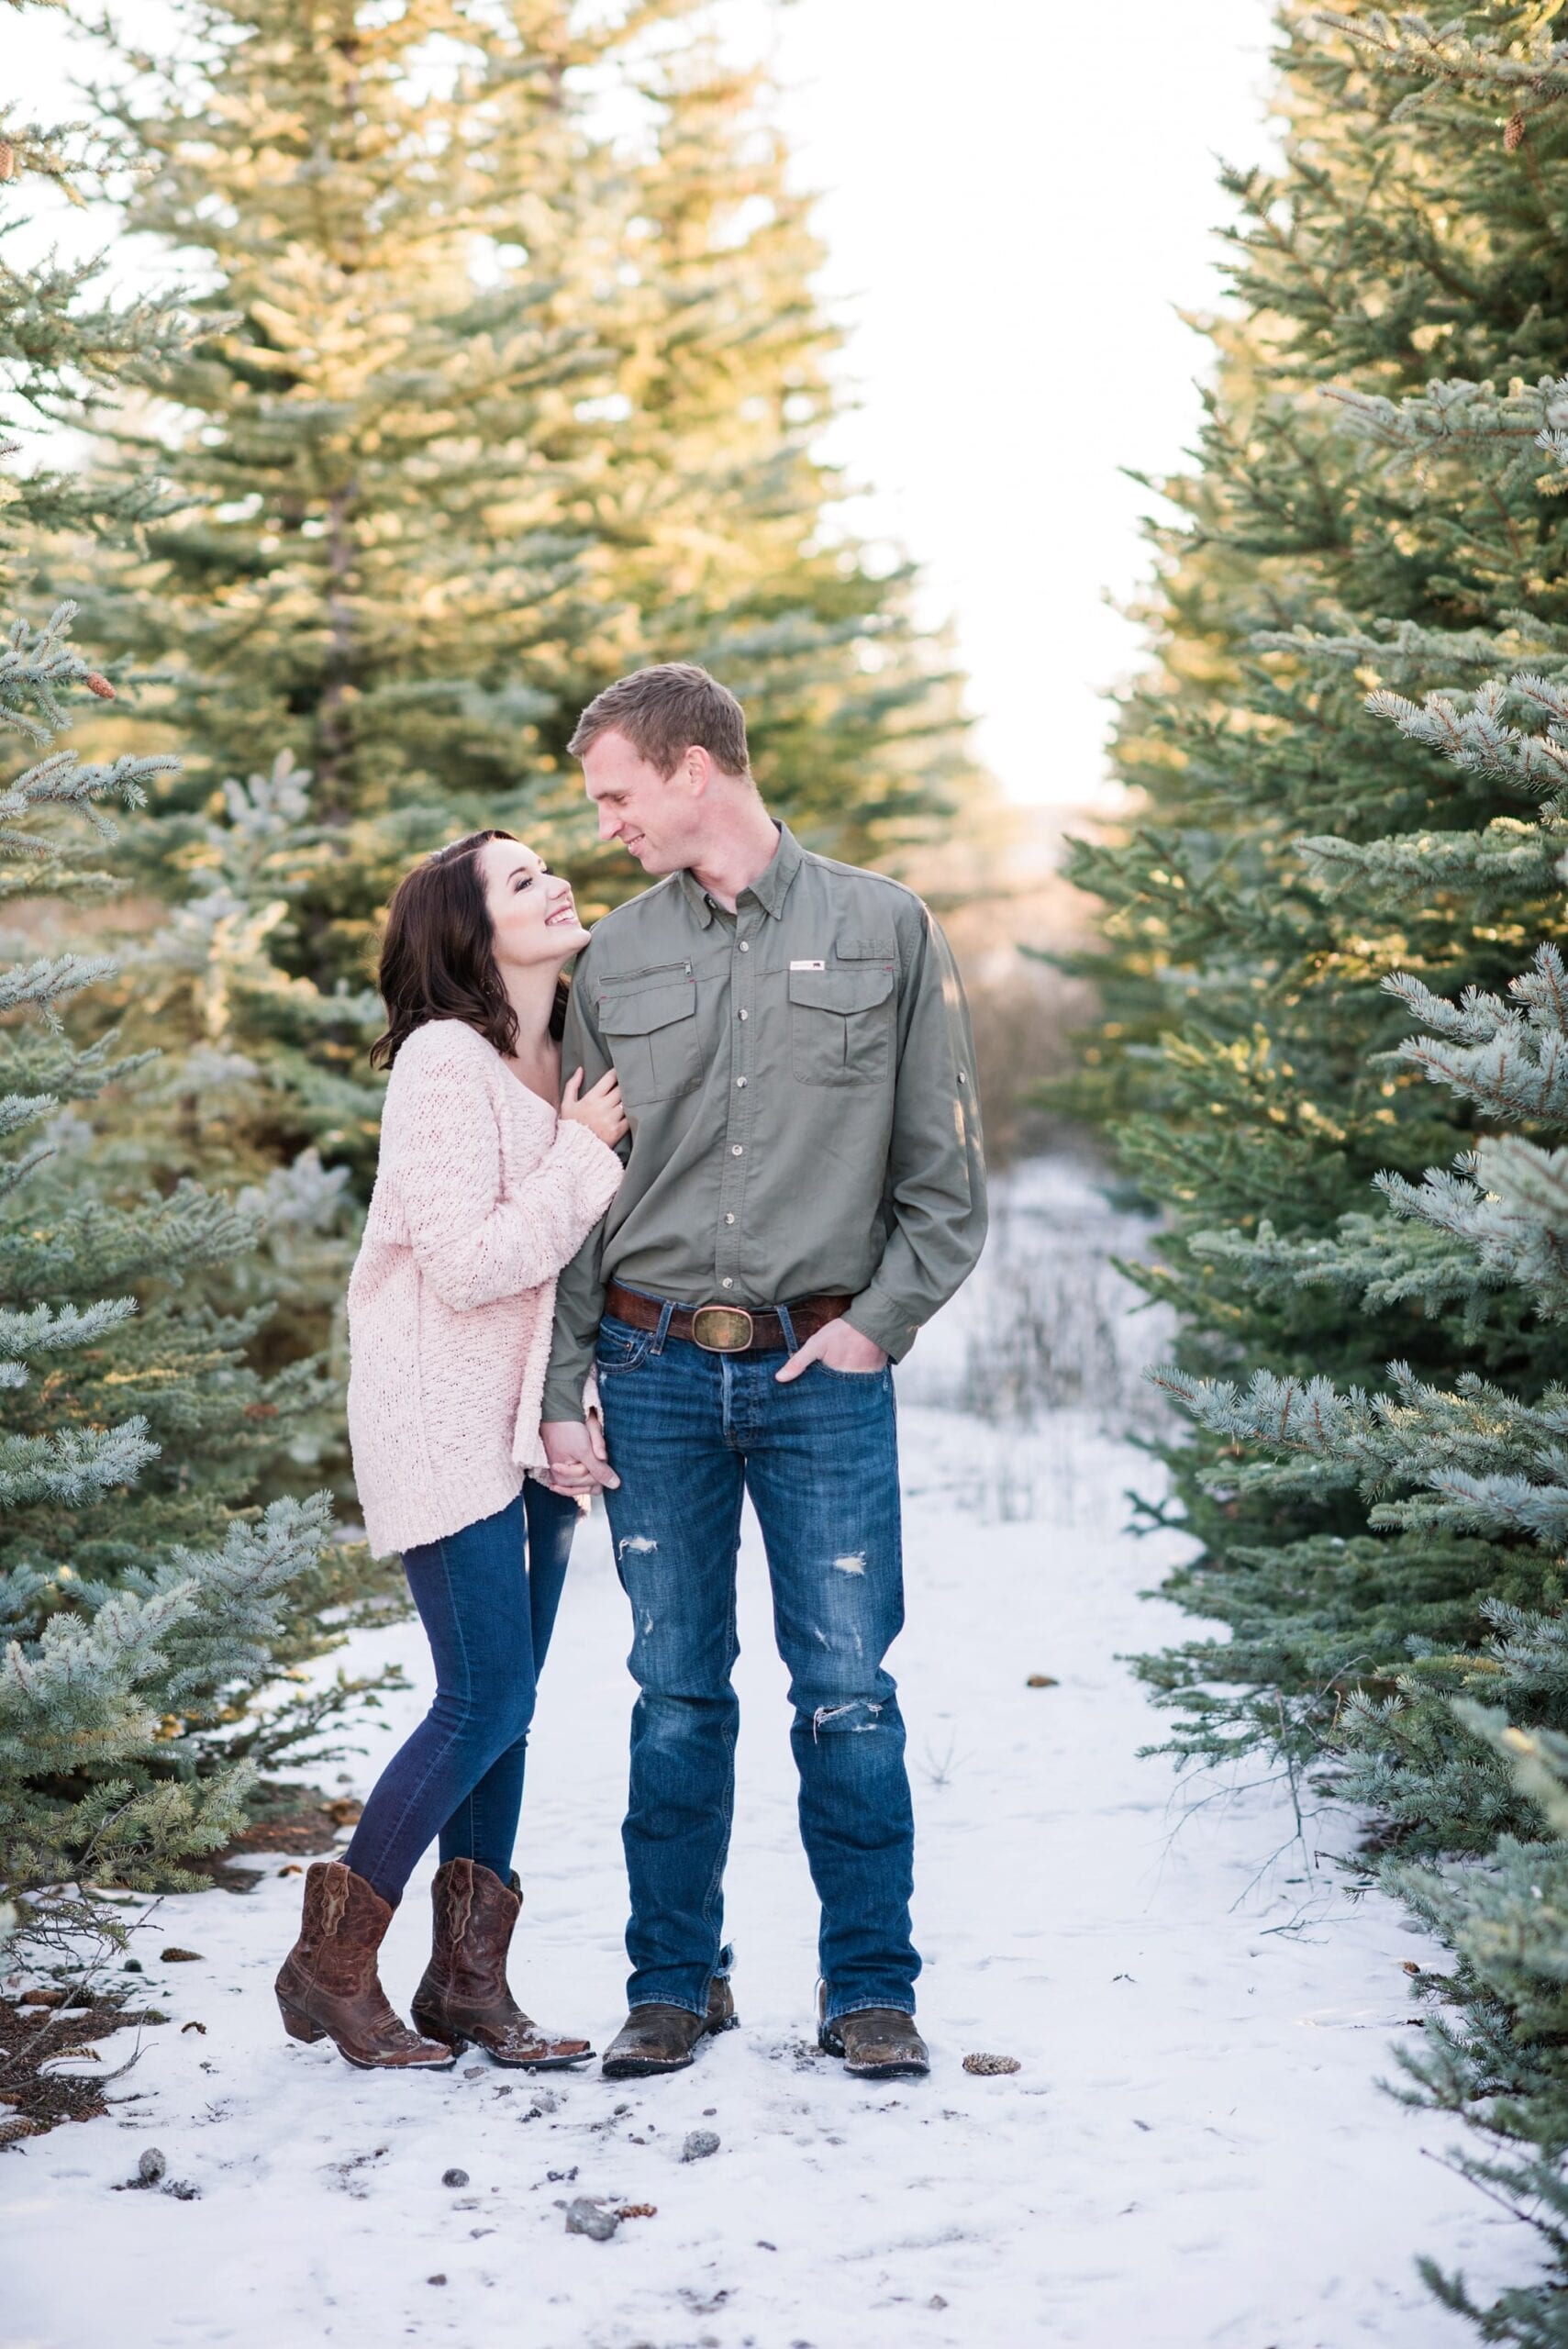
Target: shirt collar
<point x="770" y="888"/>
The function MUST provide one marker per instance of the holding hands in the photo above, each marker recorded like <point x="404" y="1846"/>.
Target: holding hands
<point x="576" y="1451"/>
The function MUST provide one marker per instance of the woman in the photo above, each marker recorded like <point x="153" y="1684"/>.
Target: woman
<point x="484" y="1191"/>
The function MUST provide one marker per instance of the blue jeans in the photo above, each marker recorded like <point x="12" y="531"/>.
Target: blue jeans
<point x="689" y="1433"/>
<point x="487" y="1598"/>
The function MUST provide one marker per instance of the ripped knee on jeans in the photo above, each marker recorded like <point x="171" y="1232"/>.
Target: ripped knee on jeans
<point x="849" y="1713"/>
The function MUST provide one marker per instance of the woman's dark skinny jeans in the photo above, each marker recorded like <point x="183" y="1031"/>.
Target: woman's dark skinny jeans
<point x="487" y="1598"/>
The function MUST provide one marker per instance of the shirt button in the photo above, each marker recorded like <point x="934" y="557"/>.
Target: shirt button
<point x="739" y="1080"/>
<point x="730" y="1218"/>
<point x="745" y="949"/>
<point x="745" y="1015"/>
<point x="735" y="1149"/>
<point x="726" y="1283"/>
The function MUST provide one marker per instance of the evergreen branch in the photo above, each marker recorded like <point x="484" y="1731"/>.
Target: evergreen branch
<point x="1528" y="76"/>
<point x="1475" y="736"/>
<point x="1368" y="1256"/>
<point x="1512" y="1059"/>
<point x="1508" y="861"/>
<point x="1408" y="645"/>
<point x="1418" y="1436"/>
<point x="44" y="1329"/>
<point x="1458" y="414"/>
<point x="36" y="667"/>
<point x="43" y="985"/>
<point x="227" y="1632"/>
<point x="73" y="1464"/>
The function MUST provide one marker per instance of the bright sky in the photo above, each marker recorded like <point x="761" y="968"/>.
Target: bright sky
<point x="1016" y="199"/>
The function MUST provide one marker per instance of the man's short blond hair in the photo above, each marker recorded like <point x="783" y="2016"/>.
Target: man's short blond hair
<point x="663" y="712"/>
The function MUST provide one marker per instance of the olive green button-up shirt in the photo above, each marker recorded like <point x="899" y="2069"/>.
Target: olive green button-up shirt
<point x="799" y="1079"/>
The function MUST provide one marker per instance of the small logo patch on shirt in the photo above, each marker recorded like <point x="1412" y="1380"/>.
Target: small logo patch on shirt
<point x="808" y="966"/>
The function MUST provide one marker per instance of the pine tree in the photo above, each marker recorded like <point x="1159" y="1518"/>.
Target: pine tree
<point x="487" y="405"/>
<point x="1245" y="1065"/>
<point x="491" y="406"/>
<point x="1499" y="2065"/>
<point x="1456" y="1732"/>
<point x="60" y="340"/>
<point x="144" y="1598"/>
<point x="1380" y="1391"/>
<point x="1446" y="1583"/>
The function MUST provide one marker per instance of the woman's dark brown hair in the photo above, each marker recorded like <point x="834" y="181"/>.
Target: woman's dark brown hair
<point x="438" y="958"/>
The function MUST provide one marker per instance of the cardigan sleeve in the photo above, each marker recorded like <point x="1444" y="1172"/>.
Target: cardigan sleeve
<point x="441" y="1147"/>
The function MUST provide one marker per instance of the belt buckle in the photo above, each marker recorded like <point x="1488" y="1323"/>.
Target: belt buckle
<point x="722" y="1328"/>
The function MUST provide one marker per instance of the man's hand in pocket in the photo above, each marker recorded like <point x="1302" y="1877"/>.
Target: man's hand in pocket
<point x="839" y="1347"/>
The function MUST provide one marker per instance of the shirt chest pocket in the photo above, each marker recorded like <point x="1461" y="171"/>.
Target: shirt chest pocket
<point x="650" y="1032"/>
<point x="841" y="1023"/>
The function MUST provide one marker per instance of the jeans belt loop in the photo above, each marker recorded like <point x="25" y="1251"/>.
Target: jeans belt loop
<point x="788" y="1328"/>
<point x="665" y="1310"/>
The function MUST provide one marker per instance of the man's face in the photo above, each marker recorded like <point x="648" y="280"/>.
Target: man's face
<point x="654" y="817"/>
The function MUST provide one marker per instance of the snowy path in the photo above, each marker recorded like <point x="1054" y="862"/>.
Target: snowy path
<point x="1195" y="2151"/>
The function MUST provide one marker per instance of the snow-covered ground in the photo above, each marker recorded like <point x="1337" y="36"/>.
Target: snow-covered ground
<point x="1194" y="2152"/>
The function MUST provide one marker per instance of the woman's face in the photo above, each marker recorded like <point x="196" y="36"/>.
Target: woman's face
<point x="531" y="914"/>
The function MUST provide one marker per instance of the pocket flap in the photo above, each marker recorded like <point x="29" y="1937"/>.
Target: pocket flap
<point x="646" y="1008"/>
<point x="840" y="990"/>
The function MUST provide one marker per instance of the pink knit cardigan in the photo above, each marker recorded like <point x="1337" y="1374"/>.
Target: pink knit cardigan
<point x="482" y="1195"/>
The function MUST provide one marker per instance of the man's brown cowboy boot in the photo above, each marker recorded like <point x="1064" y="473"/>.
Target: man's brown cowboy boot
<point x="876" y="2042"/>
<point x="464" y="1999"/>
<point x="659" y="2038"/>
<point x="330" y="1987"/>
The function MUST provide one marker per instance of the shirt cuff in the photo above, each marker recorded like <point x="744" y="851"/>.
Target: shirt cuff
<point x="562" y="1399"/>
<point x="887" y="1325"/>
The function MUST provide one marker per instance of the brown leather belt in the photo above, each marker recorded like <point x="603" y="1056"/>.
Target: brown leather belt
<point x="727" y="1328"/>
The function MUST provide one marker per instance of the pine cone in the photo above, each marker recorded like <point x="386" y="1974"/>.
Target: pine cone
<point x="1514" y="133"/>
<point x="99" y="685"/>
<point x="8" y="160"/>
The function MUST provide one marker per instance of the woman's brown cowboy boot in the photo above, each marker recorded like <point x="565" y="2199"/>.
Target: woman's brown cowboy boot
<point x="463" y="1997"/>
<point x="330" y="1987"/>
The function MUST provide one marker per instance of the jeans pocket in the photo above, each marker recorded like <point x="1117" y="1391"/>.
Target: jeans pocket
<point x="620" y="1348"/>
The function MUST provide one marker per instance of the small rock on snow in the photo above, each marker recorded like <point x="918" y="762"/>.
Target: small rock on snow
<point x="699" y="2144"/>
<point x="585" y="2218"/>
<point x="454" y="2177"/>
<point x="151" y="2167"/>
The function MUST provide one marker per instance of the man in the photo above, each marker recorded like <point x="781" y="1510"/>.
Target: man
<point x="804" y="1187"/>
